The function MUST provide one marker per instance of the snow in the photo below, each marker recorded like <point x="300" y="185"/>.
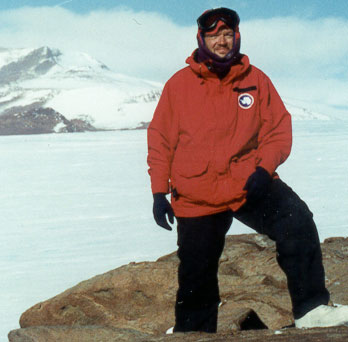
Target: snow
<point x="102" y="95"/>
<point x="108" y="107"/>
<point x="299" y="112"/>
<point x="78" y="60"/>
<point x="8" y="94"/>
<point x="77" y="205"/>
<point x="59" y="127"/>
<point x="12" y="55"/>
<point x="78" y="86"/>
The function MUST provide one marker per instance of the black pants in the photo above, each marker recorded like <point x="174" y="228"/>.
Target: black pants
<point x="283" y="217"/>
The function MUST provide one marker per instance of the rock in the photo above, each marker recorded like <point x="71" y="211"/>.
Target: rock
<point x="140" y="297"/>
<point x="75" y="334"/>
<point x="137" y="296"/>
<point x="105" y="334"/>
<point x="36" y="62"/>
<point x="250" y="278"/>
<point x="34" y="119"/>
<point x="335" y="258"/>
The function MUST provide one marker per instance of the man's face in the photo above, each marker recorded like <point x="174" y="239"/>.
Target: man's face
<point x="221" y="42"/>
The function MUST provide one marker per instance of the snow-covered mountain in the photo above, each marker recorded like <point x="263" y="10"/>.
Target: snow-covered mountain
<point x="76" y="86"/>
<point x="298" y="112"/>
<point x="80" y="89"/>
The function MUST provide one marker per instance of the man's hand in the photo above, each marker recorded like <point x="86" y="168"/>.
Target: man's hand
<point x="161" y="207"/>
<point x="257" y="184"/>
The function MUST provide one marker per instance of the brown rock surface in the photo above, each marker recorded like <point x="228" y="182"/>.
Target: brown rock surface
<point x="107" y="334"/>
<point x="138" y="299"/>
<point x="137" y="296"/>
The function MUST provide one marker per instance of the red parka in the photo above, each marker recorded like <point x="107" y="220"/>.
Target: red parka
<point x="208" y="135"/>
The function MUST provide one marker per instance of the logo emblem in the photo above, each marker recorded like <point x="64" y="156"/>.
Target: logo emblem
<point x="245" y="100"/>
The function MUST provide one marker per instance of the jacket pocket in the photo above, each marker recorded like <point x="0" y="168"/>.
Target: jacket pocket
<point x="189" y="164"/>
<point x="189" y="175"/>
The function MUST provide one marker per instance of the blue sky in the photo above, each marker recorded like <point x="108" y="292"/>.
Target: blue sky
<point x="301" y="45"/>
<point x="184" y="11"/>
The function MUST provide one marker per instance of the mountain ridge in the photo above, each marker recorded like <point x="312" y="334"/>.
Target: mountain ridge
<point x="76" y="86"/>
<point x="79" y="87"/>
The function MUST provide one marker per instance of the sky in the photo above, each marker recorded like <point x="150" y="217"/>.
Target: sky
<point x="185" y="12"/>
<point x="301" y="45"/>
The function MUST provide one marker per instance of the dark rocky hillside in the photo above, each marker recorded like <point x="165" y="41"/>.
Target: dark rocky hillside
<point x="38" y="121"/>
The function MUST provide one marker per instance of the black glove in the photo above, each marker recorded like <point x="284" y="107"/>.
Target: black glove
<point x="257" y="184"/>
<point x="161" y="207"/>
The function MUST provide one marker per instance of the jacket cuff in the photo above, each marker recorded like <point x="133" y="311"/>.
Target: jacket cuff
<point x="268" y="165"/>
<point x="162" y="187"/>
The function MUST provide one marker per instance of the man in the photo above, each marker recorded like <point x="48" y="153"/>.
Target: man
<point x="218" y="134"/>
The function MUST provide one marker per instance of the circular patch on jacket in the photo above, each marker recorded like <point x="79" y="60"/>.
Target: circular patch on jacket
<point x="245" y="100"/>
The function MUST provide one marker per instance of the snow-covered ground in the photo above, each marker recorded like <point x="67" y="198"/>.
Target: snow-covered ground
<point x="77" y="205"/>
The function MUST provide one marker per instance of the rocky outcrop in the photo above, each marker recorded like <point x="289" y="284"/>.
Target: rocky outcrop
<point x="138" y="299"/>
<point x="37" y="120"/>
<point x="108" y="334"/>
<point x="35" y="62"/>
<point x="138" y="296"/>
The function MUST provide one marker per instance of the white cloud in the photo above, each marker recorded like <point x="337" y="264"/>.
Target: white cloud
<point x="306" y="59"/>
<point x="305" y="46"/>
<point x="142" y="44"/>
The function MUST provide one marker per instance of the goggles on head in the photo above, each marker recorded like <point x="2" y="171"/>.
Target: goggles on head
<point x="209" y="19"/>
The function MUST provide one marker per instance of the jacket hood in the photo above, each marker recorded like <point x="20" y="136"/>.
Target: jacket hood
<point x="221" y="65"/>
<point x="204" y="69"/>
